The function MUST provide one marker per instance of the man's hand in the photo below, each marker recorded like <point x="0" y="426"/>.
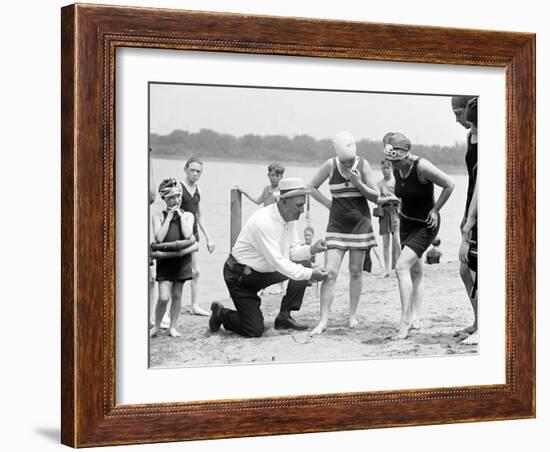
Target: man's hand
<point x="319" y="246"/>
<point x="318" y="274"/>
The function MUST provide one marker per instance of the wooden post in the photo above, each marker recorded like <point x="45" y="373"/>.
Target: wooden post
<point x="236" y="215"/>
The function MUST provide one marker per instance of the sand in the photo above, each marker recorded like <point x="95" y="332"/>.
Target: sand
<point x="445" y="310"/>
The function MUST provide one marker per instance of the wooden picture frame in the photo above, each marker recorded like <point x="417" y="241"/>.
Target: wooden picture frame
<point x="90" y="37"/>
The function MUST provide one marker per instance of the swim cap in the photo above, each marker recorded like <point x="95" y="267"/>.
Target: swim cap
<point x="169" y="187"/>
<point x="460" y="101"/>
<point x="396" y="146"/>
<point x="344" y="144"/>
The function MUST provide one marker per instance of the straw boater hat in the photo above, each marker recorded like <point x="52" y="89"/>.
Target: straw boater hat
<point x="292" y="186"/>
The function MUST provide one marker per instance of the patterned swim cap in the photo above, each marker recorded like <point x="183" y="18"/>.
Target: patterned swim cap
<point x="169" y="187"/>
<point x="396" y="146"/>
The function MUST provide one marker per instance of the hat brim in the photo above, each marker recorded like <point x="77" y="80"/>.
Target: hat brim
<point x="296" y="192"/>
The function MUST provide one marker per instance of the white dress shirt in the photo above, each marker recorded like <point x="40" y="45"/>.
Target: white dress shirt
<point x="268" y="243"/>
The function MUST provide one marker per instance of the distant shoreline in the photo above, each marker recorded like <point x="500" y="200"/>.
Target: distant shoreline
<point x="456" y="170"/>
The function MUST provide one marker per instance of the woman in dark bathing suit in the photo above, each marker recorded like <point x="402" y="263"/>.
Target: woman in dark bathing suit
<point x="415" y="178"/>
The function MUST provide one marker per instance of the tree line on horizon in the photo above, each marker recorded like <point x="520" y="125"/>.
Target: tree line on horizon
<point x="301" y="148"/>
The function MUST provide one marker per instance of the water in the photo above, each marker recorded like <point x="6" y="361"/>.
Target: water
<point x="219" y="177"/>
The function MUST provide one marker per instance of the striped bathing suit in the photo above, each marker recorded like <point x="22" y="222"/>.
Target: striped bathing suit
<point x="349" y="225"/>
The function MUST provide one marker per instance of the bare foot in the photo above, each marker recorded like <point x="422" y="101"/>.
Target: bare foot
<point x="154" y="331"/>
<point x="466" y="331"/>
<point x="197" y="310"/>
<point x="353" y="322"/>
<point x="174" y="333"/>
<point x="415" y="324"/>
<point x="404" y="330"/>
<point x="165" y="323"/>
<point x="472" y="339"/>
<point x="318" y="330"/>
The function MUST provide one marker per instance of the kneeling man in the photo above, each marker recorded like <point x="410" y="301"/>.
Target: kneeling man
<point x="267" y="252"/>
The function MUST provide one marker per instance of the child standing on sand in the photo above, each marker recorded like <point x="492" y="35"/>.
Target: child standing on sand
<point x="170" y="225"/>
<point x="270" y="193"/>
<point x="388" y="218"/>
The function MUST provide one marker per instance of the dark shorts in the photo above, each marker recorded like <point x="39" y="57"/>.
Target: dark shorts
<point x="416" y="235"/>
<point x="472" y="253"/>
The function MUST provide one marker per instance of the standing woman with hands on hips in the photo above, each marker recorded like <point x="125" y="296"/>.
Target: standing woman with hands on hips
<point x="415" y="178"/>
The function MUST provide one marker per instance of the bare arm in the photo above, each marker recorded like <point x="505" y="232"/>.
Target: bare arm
<point x="209" y="243"/>
<point x="160" y="225"/>
<point x="431" y="173"/>
<point x="176" y="245"/>
<point x="368" y="187"/>
<point x="161" y="255"/>
<point x="259" y="200"/>
<point x="186" y="220"/>
<point x="471" y="221"/>
<point x="321" y="176"/>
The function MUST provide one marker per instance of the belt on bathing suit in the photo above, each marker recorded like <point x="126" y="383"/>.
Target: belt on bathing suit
<point x="406" y="217"/>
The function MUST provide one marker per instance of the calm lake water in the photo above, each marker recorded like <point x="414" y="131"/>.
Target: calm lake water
<point x="219" y="177"/>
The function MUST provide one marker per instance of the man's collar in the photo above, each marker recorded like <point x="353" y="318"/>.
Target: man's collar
<point x="276" y="214"/>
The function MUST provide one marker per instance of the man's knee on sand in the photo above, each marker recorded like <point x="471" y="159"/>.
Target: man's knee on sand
<point x="254" y="329"/>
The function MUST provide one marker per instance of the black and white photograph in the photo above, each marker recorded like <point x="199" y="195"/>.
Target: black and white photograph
<point x="296" y="225"/>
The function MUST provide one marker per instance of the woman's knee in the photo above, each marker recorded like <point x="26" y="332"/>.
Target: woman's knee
<point x="332" y="274"/>
<point x="163" y="300"/>
<point x="355" y="271"/>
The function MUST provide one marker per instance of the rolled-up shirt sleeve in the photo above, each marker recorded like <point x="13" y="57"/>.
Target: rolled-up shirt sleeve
<point x="269" y="248"/>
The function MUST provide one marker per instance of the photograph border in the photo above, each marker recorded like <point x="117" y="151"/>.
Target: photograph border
<point x="90" y="36"/>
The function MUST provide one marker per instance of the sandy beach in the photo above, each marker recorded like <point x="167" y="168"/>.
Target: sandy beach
<point x="445" y="310"/>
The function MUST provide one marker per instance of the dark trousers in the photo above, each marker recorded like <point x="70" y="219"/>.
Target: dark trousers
<point x="244" y="284"/>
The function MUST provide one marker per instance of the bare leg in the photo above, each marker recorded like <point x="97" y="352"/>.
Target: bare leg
<point x="332" y="265"/>
<point x="195" y="308"/>
<point x="386" y="246"/>
<point x="417" y="277"/>
<point x="467" y="277"/>
<point x="165" y="290"/>
<point x="175" y="309"/>
<point x="403" y="270"/>
<point x="356" y="259"/>
<point x="152" y="295"/>
<point x="396" y="248"/>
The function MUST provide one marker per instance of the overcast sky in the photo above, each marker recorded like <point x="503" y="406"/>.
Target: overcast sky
<point x="320" y="114"/>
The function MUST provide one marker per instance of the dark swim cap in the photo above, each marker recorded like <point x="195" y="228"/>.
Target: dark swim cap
<point x="460" y="101"/>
